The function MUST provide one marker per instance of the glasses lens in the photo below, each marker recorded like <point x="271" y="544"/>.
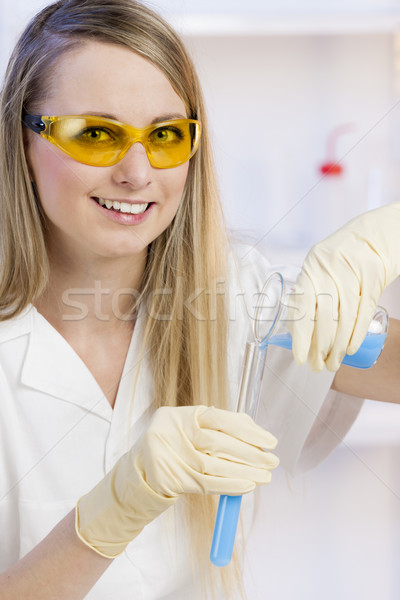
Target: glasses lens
<point x="171" y="144"/>
<point x="89" y="140"/>
<point x="102" y="142"/>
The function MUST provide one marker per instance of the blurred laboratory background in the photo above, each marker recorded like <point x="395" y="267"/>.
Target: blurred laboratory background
<point x="303" y="98"/>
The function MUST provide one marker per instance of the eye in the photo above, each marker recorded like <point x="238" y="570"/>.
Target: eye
<point x="167" y="135"/>
<point x="95" y="135"/>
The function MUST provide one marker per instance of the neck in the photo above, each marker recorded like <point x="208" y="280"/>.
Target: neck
<point x="97" y="294"/>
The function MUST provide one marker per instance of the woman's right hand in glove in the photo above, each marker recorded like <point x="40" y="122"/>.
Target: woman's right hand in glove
<point x="189" y="449"/>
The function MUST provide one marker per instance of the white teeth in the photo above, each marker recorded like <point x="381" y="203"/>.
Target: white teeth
<point x="136" y="209"/>
<point x="124" y="207"/>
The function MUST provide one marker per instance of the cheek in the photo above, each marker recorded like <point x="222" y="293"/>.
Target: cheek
<point x="56" y="177"/>
<point x="176" y="180"/>
<point x="51" y="182"/>
<point x="45" y="167"/>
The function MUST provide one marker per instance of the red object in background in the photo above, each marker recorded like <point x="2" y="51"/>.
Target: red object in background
<point x="331" y="166"/>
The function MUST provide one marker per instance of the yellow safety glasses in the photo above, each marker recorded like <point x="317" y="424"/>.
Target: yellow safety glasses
<point x="102" y="142"/>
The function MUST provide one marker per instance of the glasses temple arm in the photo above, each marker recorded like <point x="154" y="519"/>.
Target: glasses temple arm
<point x="34" y="122"/>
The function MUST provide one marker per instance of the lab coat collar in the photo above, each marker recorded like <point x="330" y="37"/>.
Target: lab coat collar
<point x="50" y="360"/>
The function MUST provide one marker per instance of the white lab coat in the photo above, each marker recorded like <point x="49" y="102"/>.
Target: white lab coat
<point x="59" y="436"/>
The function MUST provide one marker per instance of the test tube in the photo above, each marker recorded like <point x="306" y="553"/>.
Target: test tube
<point x="229" y="506"/>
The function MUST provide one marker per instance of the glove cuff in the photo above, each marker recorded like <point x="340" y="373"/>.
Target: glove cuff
<point x="116" y="510"/>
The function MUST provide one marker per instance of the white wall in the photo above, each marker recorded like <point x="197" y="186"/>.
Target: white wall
<point x="273" y="100"/>
<point x="269" y="7"/>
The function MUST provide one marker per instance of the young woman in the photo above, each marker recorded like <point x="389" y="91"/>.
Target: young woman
<point x="124" y="319"/>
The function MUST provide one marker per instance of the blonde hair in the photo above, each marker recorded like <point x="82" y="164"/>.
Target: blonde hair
<point x="188" y="348"/>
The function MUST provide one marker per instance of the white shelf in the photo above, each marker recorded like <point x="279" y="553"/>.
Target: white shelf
<point x="286" y="24"/>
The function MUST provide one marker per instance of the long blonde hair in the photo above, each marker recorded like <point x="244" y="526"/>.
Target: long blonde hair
<point x="188" y="348"/>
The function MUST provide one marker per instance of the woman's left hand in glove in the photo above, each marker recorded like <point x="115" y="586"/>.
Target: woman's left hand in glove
<point x="338" y="289"/>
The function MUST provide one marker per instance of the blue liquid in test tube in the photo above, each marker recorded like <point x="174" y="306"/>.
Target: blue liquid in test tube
<point x="225" y="530"/>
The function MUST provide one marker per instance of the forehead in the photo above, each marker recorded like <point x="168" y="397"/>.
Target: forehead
<point x="110" y="79"/>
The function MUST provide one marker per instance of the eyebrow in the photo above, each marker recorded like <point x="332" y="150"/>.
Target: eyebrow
<point x="158" y="119"/>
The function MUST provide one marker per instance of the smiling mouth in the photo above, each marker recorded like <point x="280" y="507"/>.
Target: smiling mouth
<point x="123" y="207"/>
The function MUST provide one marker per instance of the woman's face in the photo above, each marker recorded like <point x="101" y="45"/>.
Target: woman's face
<point x="108" y="80"/>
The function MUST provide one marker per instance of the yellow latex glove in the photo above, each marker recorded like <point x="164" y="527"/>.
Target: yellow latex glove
<point x="340" y="284"/>
<point x="190" y="449"/>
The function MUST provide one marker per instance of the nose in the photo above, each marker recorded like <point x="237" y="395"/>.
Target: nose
<point x="134" y="169"/>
